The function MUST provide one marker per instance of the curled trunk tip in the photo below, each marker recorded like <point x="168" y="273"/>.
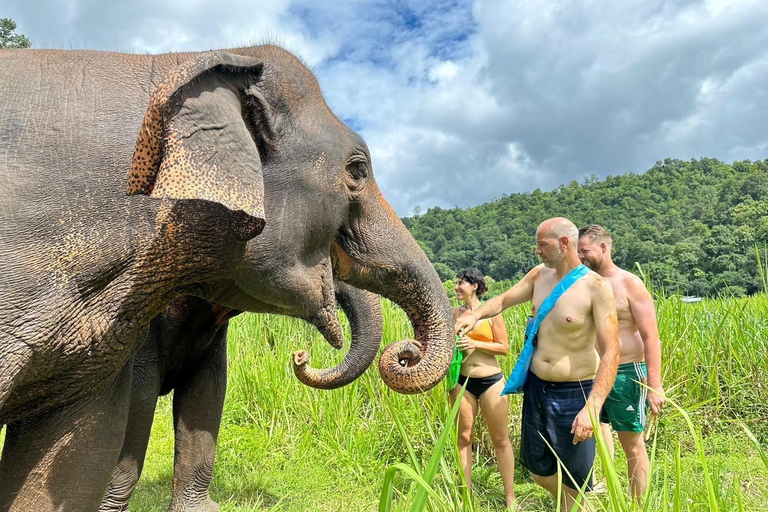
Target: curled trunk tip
<point x="404" y="368"/>
<point x="363" y="309"/>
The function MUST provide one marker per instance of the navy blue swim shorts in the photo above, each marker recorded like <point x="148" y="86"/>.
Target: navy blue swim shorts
<point x="549" y="409"/>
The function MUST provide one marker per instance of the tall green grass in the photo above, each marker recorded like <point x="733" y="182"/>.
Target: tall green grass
<point x="286" y="447"/>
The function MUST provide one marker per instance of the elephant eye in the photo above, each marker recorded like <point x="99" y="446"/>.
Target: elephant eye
<point x="357" y="171"/>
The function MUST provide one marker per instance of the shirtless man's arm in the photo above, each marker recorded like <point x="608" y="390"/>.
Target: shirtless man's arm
<point x="641" y="305"/>
<point x="521" y="292"/>
<point x="607" y="333"/>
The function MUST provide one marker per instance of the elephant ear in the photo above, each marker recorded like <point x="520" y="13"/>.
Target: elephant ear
<point x="195" y="141"/>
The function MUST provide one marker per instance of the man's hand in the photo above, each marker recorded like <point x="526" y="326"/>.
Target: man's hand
<point x="656" y="399"/>
<point x="582" y="425"/>
<point x="464" y="324"/>
<point x="464" y="343"/>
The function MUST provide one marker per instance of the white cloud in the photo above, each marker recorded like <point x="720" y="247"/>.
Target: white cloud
<point x="463" y="101"/>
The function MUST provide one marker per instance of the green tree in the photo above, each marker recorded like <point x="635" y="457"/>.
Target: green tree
<point x="444" y="271"/>
<point x="693" y="225"/>
<point x="10" y="40"/>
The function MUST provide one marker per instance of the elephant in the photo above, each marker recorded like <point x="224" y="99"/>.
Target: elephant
<point x="186" y="351"/>
<point x="130" y="181"/>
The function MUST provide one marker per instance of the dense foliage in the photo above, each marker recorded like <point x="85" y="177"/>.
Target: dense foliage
<point x="10" y="40"/>
<point x="694" y="227"/>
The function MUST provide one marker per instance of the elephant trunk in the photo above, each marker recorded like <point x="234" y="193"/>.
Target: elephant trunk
<point x="379" y="254"/>
<point x="326" y="320"/>
<point x="414" y="366"/>
<point x="363" y="309"/>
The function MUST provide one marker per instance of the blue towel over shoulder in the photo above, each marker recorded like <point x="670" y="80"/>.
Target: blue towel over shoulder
<point x="520" y="371"/>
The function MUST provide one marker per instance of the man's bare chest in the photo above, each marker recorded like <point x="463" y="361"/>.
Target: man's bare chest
<point x="623" y="308"/>
<point x="572" y="310"/>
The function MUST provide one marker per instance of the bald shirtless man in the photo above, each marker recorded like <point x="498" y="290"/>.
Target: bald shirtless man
<point x="568" y="380"/>
<point x="627" y="404"/>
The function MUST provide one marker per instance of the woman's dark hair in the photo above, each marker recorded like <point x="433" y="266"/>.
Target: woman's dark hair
<point x="473" y="276"/>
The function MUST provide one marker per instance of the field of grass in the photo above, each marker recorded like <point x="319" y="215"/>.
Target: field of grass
<point x="286" y="447"/>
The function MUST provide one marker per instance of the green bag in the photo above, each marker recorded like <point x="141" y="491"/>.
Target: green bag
<point x="455" y="369"/>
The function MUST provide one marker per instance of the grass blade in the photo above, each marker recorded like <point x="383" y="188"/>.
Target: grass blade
<point x="434" y="461"/>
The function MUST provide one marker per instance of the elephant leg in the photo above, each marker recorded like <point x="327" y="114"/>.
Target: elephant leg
<point x="198" y="401"/>
<point x="62" y="460"/>
<point x="146" y="388"/>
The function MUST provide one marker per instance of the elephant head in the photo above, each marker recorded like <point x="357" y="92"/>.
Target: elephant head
<point x="249" y="129"/>
<point x="363" y="309"/>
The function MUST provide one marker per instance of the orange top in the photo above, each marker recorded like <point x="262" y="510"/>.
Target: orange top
<point x="482" y="331"/>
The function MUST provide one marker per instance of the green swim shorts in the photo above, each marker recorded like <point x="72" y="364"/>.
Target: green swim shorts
<point x="626" y="408"/>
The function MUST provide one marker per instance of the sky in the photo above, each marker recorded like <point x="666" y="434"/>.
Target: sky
<point x="461" y="101"/>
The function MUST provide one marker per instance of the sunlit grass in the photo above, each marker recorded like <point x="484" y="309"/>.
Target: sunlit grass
<point x="287" y="447"/>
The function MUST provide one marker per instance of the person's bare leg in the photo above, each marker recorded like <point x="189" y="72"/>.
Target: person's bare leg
<point x="467" y="414"/>
<point x="638" y="465"/>
<point x="568" y="496"/>
<point x="608" y="437"/>
<point x="496" y="412"/>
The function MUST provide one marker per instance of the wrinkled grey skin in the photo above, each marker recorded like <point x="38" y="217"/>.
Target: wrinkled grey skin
<point x="364" y="313"/>
<point x="217" y="144"/>
<point x="186" y="352"/>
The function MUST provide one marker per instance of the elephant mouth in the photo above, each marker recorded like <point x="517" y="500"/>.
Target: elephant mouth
<point x="308" y="295"/>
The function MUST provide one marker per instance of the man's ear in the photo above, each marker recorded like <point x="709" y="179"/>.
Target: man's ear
<point x="195" y="143"/>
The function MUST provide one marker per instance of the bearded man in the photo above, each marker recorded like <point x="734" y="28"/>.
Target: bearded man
<point x="638" y="383"/>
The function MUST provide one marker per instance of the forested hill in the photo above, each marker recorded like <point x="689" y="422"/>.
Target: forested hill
<point x="692" y="226"/>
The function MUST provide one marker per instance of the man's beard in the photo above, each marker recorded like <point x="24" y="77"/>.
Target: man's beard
<point x="592" y="264"/>
<point x="554" y="260"/>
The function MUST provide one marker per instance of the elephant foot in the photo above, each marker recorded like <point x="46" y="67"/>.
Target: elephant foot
<point x="207" y="505"/>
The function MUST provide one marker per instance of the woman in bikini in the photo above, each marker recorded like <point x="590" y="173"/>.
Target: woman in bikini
<point x="482" y="374"/>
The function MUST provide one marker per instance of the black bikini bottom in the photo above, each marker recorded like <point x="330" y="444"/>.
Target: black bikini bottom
<point x="479" y="385"/>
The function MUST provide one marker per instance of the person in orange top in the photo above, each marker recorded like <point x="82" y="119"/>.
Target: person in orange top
<point x="482" y="374"/>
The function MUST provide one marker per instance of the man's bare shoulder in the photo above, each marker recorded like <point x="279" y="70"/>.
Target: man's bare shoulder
<point x="634" y="286"/>
<point x="631" y="283"/>
<point x="599" y="284"/>
<point x="536" y="272"/>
